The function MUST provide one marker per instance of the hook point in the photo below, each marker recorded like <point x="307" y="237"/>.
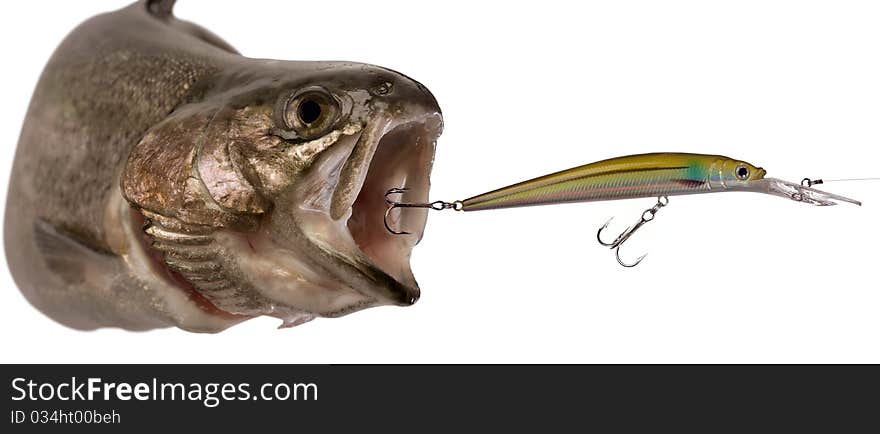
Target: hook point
<point x="599" y="234"/>
<point x="637" y="261"/>
<point x="391" y="207"/>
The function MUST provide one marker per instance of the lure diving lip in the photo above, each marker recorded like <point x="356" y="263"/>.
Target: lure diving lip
<point x="798" y="192"/>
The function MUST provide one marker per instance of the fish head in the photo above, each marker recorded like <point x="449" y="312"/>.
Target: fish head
<point x="264" y="194"/>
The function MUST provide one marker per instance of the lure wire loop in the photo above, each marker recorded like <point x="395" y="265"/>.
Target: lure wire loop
<point x="437" y="205"/>
<point x="647" y="216"/>
<point x="807" y="182"/>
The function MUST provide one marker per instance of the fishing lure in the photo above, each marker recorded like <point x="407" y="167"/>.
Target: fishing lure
<point x="635" y="176"/>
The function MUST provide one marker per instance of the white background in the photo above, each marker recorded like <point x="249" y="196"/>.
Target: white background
<point x="533" y="87"/>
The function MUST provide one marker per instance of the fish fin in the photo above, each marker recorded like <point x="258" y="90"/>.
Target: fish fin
<point x="164" y="10"/>
<point x="161" y="8"/>
<point x="64" y="254"/>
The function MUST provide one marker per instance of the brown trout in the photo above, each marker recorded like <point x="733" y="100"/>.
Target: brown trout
<point x="163" y="179"/>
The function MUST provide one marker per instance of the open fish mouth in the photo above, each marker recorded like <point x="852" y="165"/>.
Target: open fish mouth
<point x="339" y="204"/>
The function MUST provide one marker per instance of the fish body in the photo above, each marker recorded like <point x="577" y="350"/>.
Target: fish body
<point x="162" y="179"/>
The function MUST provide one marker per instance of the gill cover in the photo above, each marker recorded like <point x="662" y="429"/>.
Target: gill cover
<point x="193" y="166"/>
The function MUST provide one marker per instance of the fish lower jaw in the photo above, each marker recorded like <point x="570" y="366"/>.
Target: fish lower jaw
<point x="347" y="261"/>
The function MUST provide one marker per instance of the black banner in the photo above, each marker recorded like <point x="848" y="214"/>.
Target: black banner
<point x="134" y="398"/>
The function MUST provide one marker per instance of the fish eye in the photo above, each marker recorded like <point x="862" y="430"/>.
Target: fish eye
<point x="310" y="113"/>
<point x="742" y="172"/>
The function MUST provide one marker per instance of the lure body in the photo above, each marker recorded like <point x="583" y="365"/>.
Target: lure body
<point x="633" y="176"/>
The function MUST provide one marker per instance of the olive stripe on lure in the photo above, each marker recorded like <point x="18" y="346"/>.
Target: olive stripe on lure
<point x="634" y="176"/>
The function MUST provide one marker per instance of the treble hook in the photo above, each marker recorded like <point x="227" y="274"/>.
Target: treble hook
<point x="647" y="216"/>
<point x="438" y="205"/>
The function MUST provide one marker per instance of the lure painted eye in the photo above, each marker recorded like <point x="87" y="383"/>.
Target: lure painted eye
<point x="742" y="172"/>
<point x="311" y="112"/>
